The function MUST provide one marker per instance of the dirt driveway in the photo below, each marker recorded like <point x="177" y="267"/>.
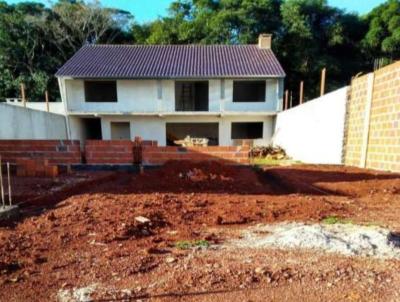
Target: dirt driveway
<point x="163" y="236"/>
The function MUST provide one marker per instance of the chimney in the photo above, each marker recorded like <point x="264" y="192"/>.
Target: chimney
<point x="264" y="41"/>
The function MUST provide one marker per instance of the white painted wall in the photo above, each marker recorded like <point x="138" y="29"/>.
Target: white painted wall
<point x="142" y="96"/>
<point x="54" y="107"/>
<point x="154" y="128"/>
<point x="313" y="132"/>
<point x="23" y="123"/>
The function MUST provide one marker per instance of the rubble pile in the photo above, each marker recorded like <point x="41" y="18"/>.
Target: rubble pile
<point x="269" y="152"/>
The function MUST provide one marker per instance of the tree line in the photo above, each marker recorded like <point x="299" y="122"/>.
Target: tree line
<point x="309" y="35"/>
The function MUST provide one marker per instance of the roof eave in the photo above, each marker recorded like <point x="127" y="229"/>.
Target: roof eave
<point x="80" y="77"/>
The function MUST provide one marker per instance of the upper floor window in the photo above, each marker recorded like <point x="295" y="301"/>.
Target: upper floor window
<point x="249" y="91"/>
<point x="101" y="91"/>
<point x="191" y="96"/>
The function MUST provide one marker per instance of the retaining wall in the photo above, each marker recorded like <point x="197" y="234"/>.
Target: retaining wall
<point x="58" y="152"/>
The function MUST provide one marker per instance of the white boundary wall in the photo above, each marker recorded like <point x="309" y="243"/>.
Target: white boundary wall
<point x="314" y="132"/>
<point x="23" y="123"/>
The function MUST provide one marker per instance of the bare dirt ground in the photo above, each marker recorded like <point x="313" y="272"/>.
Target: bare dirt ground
<point x="87" y="240"/>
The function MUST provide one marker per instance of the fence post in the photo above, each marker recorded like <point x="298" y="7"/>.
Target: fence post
<point x="301" y="92"/>
<point x="46" y="96"/>
<point x="23" y="94"/>
<point x="286" y="99"/>
<point x="323" y="77"/>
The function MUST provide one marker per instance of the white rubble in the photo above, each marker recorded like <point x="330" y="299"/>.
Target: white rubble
<point x="346" y="239"/>
<point x="77" y="294"/>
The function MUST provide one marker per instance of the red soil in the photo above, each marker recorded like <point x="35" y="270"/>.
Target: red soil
<point x="93" y="237"/>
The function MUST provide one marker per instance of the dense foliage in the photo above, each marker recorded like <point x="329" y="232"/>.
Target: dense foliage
<point x="308" y="35"/>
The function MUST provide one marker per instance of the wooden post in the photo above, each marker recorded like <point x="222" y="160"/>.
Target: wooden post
<point x="301" y="92"/>
<point x="23" y="94"/>
<point x="286" y="99"/>
<point x="3" y="202"/>
<point x="291" y="99"/>
<point x="323" y="76"/>
<point x="46" y="95"/>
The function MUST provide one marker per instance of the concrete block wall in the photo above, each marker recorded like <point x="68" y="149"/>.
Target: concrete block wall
<point x="154" y="155"/>
<point x="355" y="119"/>
<point x="372" y="131"/>
<point x="59" y="152"/>
<point x="384" y="131"/>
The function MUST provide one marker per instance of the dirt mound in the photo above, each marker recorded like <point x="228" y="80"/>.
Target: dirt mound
<point x="209" y="175"/>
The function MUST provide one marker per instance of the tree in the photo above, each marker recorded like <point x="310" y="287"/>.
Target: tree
<point x="308" y="34"/>
<point x="383" y="36"/>
<point x="35" y="41"/>
<point x="316" y="35"/>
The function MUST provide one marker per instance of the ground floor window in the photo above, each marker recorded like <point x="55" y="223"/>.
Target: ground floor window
<point x="179" y="131"/>
<point x="120" y="130"/>
<point x="248" y="130"/>
<point x="92" y="128"/>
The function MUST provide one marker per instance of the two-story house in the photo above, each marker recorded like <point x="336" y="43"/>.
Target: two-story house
<point x="225" y="93"/>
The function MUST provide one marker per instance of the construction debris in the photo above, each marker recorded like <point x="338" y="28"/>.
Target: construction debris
<point x="192" y="142"/>
<point x="346" y="239"/>
<point x="269" y="152"/>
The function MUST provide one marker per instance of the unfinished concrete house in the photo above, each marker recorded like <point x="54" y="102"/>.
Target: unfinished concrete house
<point x="164" y="93"/>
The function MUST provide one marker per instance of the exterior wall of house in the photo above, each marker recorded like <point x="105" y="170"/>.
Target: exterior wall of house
<point x="154" y="128"/>
<point x="143" y="96"/>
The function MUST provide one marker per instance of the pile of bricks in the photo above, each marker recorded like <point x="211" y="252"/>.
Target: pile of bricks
<point x="36" y="168"/>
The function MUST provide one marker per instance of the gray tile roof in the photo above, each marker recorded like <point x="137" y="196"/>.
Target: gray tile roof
<point x="171" y="61"/>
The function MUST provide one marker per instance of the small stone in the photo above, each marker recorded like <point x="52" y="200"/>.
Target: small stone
<point x="142" y="220"/>
<point x="170" y="260"/>
<point x="259" y="270"/>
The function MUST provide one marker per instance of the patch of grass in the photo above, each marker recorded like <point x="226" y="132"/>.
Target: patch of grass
<point x="185" y="244"/>
<point x="336" y="220"/>
<point x="274" y="162"/>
